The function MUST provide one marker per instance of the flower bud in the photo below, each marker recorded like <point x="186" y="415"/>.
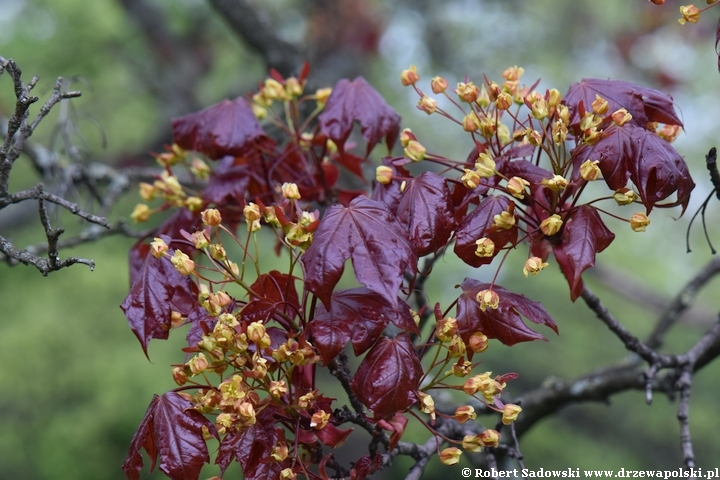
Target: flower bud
<point x="409" y="77"/>
<point x="147" y="191"/>
<point x="639" y="221"/>
<point x="415" y="151"/>
<point x="280" y="452"/>
<point x="293" y="87"/>
<point x="290" y="191"/>
<point x="488" y="298"/>
<point x="384" y="174"/>
<point x="468" y="92"/>
<point x="251" y="212"/>
<point x="465" y="413"/>
<point x="179" y="376"/>
<point x="539" y="109"/>
<point x="450" y="456"/>
<point x="513" y="73"/>
<point x="516" y="187"/>
<point x="278" y="388"/>
<point x="554" y="98"/>
<point x="406" y="136"/>
<point x="198" y="364"/>
<point x="426" y="404"/>
<point x="182" y="263"/>
<point x="534" y="138"/>
<point x="599" y="105"/>
<point x="510" y="413"/>
<point x="247" y="411"/>
<point x="158" y="247"/>
<point x="287" y="474"/>
<point x="211" y="217"/>
<point x="322" y="95"/>
<point x="533" y="265"/>
<point x="551" y="225"/>
<point x="438" y="85"/>
<point x="669" y="132"/>
<point x="470" y="122"/>
<point x="504" y="101"/>
<point x="257" y="334"/>
<point x="478" y="342"/>
<point x="559" y="132"/>
<point x="194" y="204"/>
<point x="589" y="170"/>
<point x="141" y="213"/>
<point x="484" y="247"/>
<point x="427" y="104"/>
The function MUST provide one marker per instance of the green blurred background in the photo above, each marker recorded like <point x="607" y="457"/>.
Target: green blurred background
<point x="74" y="382"/>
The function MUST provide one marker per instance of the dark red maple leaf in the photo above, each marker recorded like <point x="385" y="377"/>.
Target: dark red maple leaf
<point x="358" y="315"/>
<point x="227" y="128"/>
<point x="643" y="103"/>
<point x="252" y="448"/>
<point x="479" y="224"/>
<point x="388" y="376"/>
<point x="503" y="323"/>
<point x="357" y="101"/>
<point x="172" y="429"/>
<point x="633" y="153"/>
<point x="584" y="234"/>
<point x="277" y="297"/>
<point x="158" y="290"/>
<point x="426" y="211"/>
<point x="371" y="236"/>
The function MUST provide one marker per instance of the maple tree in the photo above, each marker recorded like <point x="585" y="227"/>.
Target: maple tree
<point x="280" y="161"/>
<point x="522" y="183"/>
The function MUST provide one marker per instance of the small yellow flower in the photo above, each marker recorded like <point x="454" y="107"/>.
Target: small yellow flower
<point x="551" y="225"/>
<point x="589" y="170"/>
<point x="470" y="179"/>
<point x="415" y="151"/>
<point x="489" y="438"/>
<point x="557" y="183"/>
<point x="468" y="92"/>
<point x="427" y="104"/>
<point x="533" y="265"/>
<point x="446" y="329"/>
<point x="319" y="419"/>
<point x="516" y="187"/>
<point x="488" y="299"/>
<point x="409" y="76"/>
<point x="478" y="342"/>
<point x="182" y="263"/>
<point x="510" y="413"/>
<point x="450" y="456"/>
<point x="621" y="117"/>
<point x="290" y="191"/>
<point x="211" y="217"/>
<point x="438" y="85"/>
<point x="141" y="213"/>
<point x="485" y="247"/>
<point x="625" y="196"/>
<point x="158" y="247"/>
<point x="322" y="95"/>
<point x="690" y="13"/>
<point x="599" y="105"/>
<point x="639" y="221"/>
<point x="504" y="220"/>
<point x="465" y="413"/>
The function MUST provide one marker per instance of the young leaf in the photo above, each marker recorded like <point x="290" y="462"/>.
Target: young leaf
<point x="159" y="289"/>
<point x="357" y="101"/>
<point x="172" y="429"/>
<point x="659" y="171"/>
<point x="370" y="235"/>
<point x="643" y="103"/>
<point x="426" y="212"/>
<point x="360" y="315"/>
<point x="583" y="235"/>
<point x="277" y="297"/>
<point x="227" y="128"/>
<point x="252" y="448"/>
<point x="388" y="376"/>
<point x="503" y="323"/>
<point x="479" y="224"/>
